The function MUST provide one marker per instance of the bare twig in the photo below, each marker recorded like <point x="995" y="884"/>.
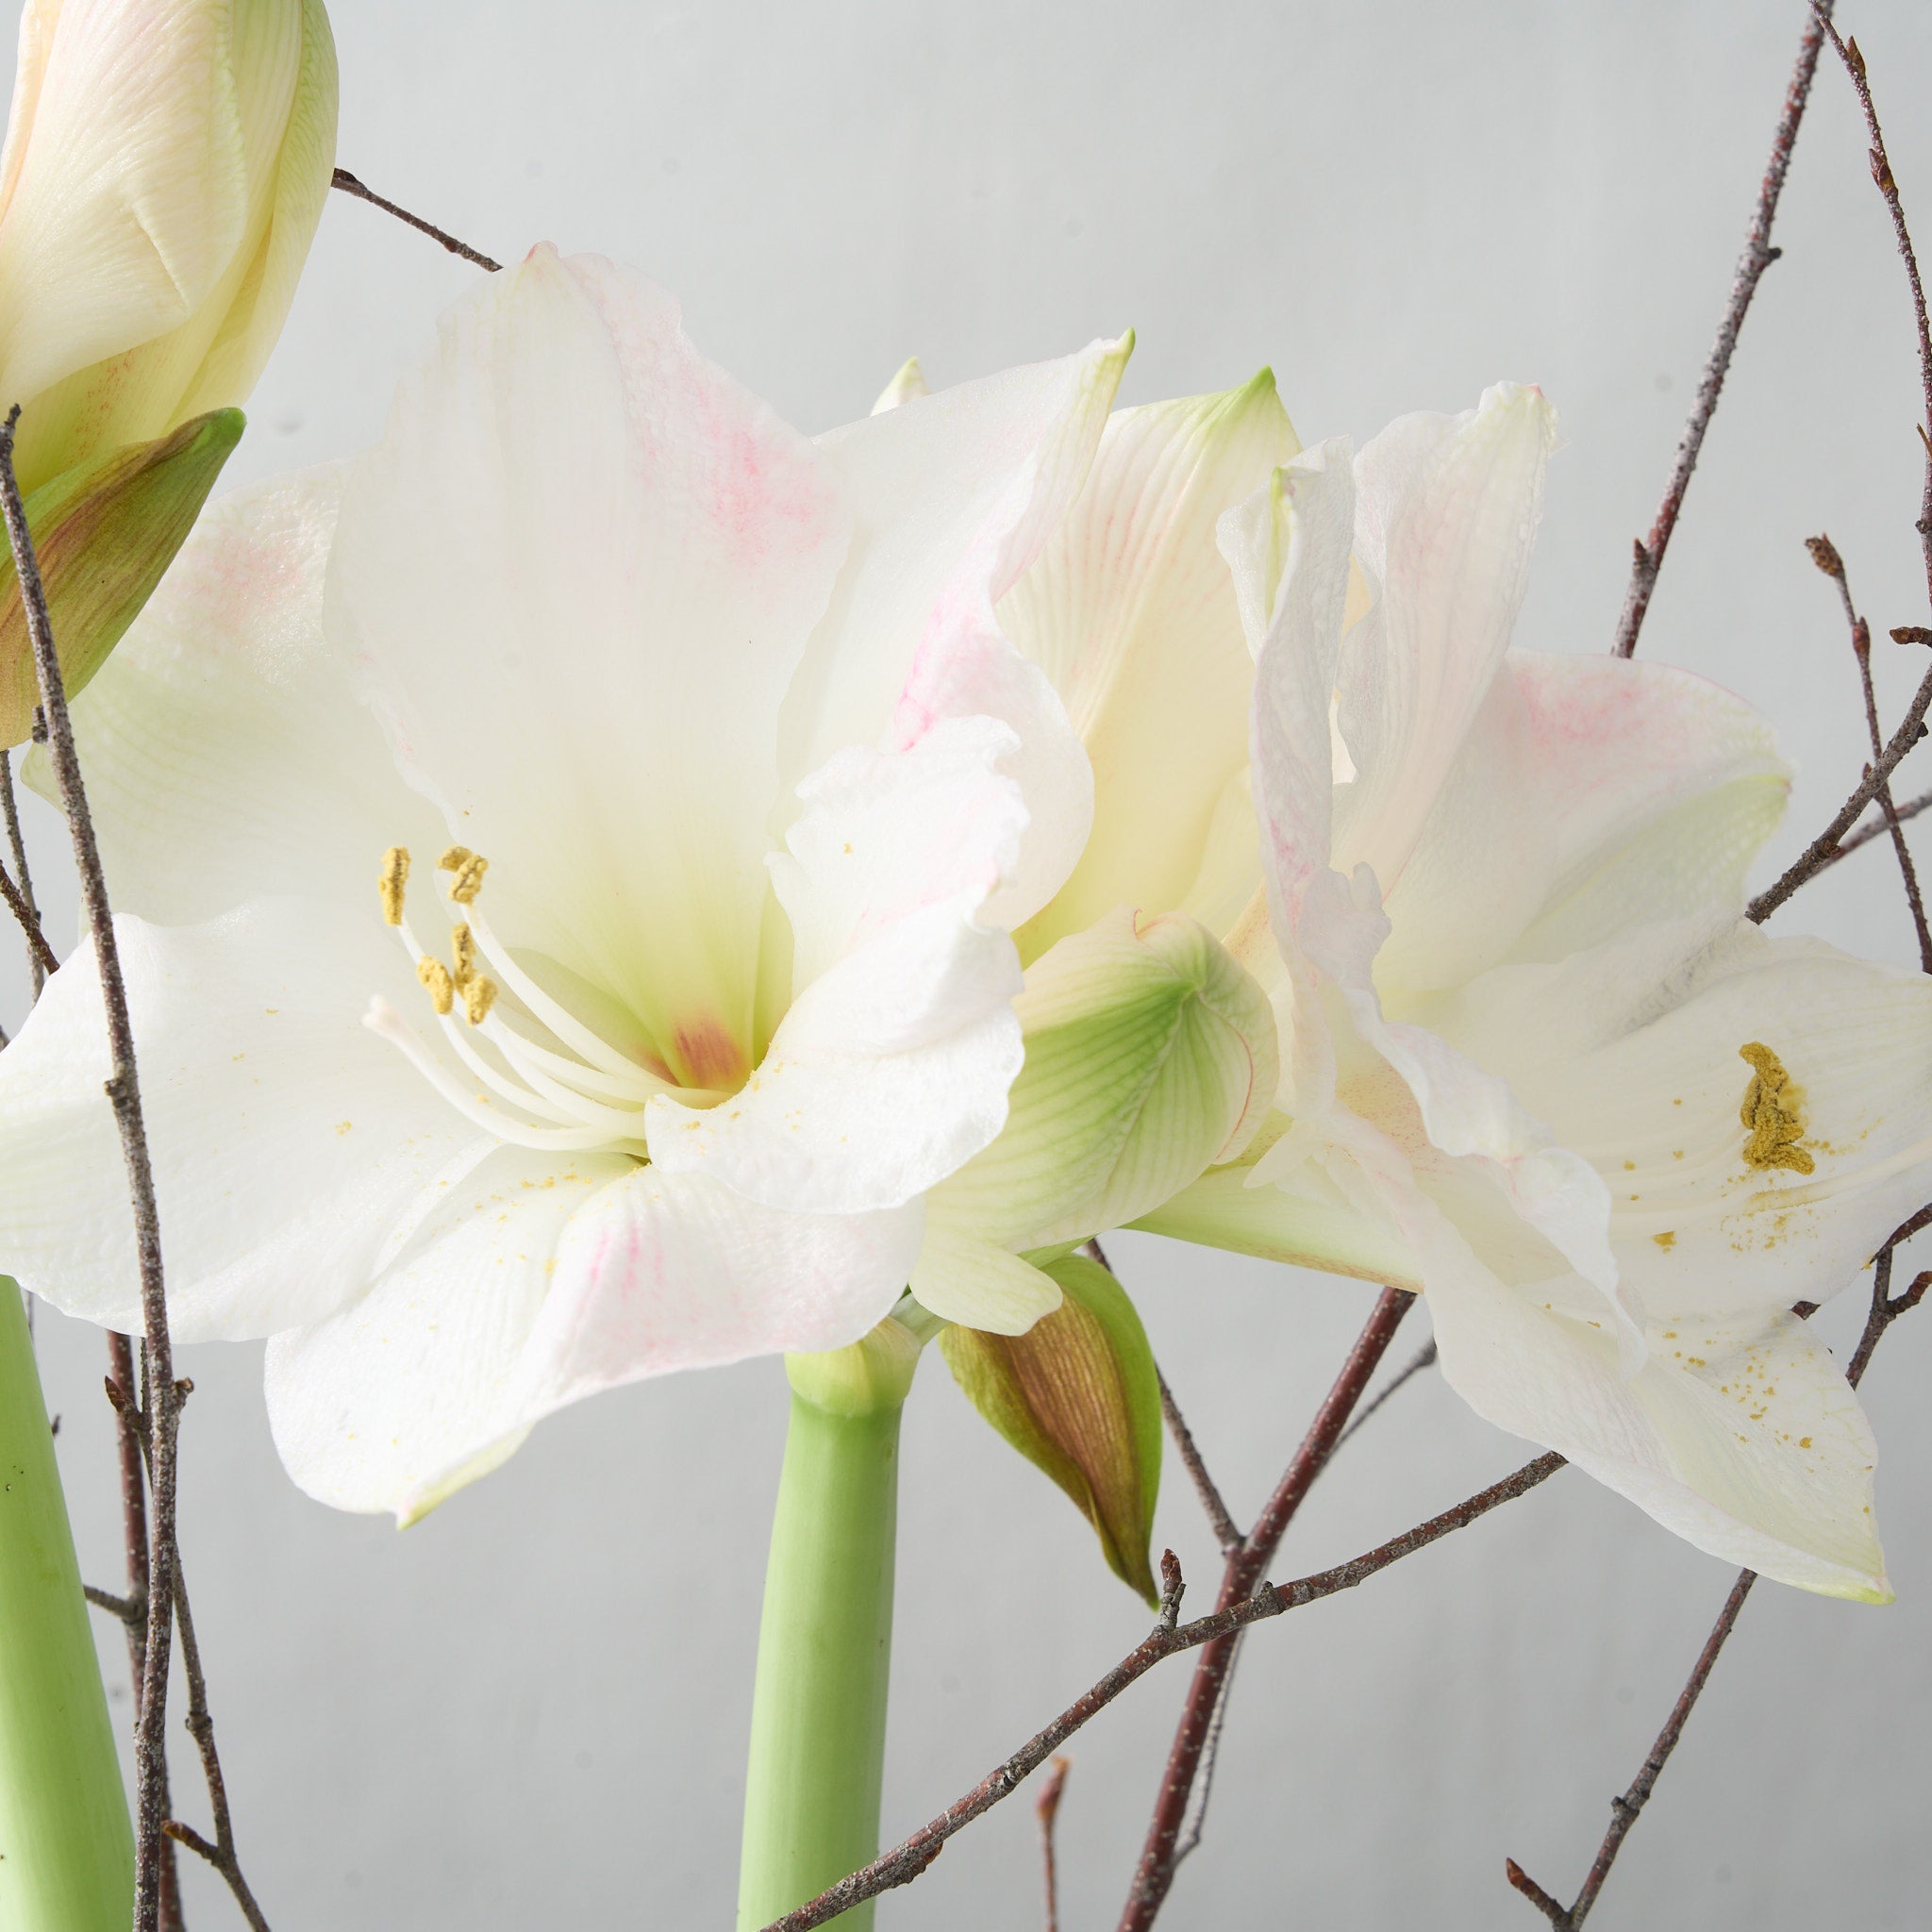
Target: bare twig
<point x="905" y="1862"/>
<point x="1825" y="553"/>
<point x="1241" y="1572"/>
<point x="1887" y="187"/>
<point x="1886" y="1309"/>
<point x="350" y="184"/>
<point x="1228" y="1533"/>
<point x="1759" y="256"/>
<point x="124" y="1092"/>
<point x="1875" y="829"/>
<point x="220" y="1855"/>
<point x="130" y="1610"/>
<point x="1046" y="1808"/>
<point x="10" y="808"/>
<point x="44" y="958"/>
<point x="1424" y="1357"/>
<point x="1824" y="849"/>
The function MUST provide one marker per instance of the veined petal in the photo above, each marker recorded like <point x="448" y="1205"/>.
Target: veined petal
<point x="1740" y="1436"/>
<point x="224" y="749"/>
<point x="1448" y="509"/>
<point x="892" y="1064"/>
<point x="1131" y="613"/>
<point x="1632" y="1054"/>
<point x="582" y="568"/>
<point x="659" y="1272"/>
<point x="1591" y="794"/>
<point x="289" y="1145"/>
<point x="1150" y="1054"/>
<point x="397" y="1401"/>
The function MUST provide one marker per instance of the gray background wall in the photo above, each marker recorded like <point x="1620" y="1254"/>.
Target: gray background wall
<point x="530" y="1710"/>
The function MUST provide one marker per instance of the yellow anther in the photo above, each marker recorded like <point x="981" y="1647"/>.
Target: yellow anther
<point x="463" y="952"/>
<point x="437" y="983"/>
<point x="396" y="876"/>
<point x="469" y="867"/>
<point x="1771" y="1113"/>
<point x="479" y="995"/>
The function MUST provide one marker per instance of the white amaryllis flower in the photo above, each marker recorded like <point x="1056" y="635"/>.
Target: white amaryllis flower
<point x="1540" y="1069"/>
<point x="166" y="163"/>
<point x="659" y="785"/>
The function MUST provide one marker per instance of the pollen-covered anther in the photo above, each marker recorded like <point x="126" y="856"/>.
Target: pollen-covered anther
<point x="462" y="952"/>
<point x="394" y="880"/>
<point x="469" y="867"/>
<point x="479" y="995"/>
<point x="436" y="981"/>
<point x="1773" y="1122"/>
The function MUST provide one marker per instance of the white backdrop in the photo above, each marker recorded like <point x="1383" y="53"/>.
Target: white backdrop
<point x="530" y="1710"/>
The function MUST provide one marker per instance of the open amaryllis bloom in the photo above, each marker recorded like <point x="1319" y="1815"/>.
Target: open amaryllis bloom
<point x="569" y="857"/>
<point x="1539" y="1068"/>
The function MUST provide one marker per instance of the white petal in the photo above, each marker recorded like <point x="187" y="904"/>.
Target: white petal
<point x="289" y="1143"/>
<point x="1131" y="613"/>
<point x="226" y="755"/>
<point x="660" y="1271"/>
<point x="1632" y="1054"/>
<point x="583" y="566"/>
<point x="1591" y="794"/>
<point x="1740" y="1437"/>
<point x="397" y="1400"/>
<point x="962" y="1278"/>
<point x="1448" y="509"/>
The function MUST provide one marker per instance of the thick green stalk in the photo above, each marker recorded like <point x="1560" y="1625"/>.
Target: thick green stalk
<point x="818" y="1723"/>
<point x="66" y="1846"/>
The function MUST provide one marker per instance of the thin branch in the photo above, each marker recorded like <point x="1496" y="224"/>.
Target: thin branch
<point x="1227" y="1531"/>
<point x="1424" y="1357"/>
<point x="45" y="959"/>
<point x="1046" y="1808"/>
<point x="1822" y="850"/>
<point x="1887" y="187"/>
<point x="16" y="846"/>
<point x="1886" y="1309"/>
<point x="1877" y="829"/>
<point x="201" y="1727"/>
<point x="906" y="1861"/>
<point x="1759" y="256"/>
<point x="1241" y="1573"/>
<point x="1826" y="556"/>
<point x="350" y="184"/>
<point x="130" y="1610"/>
<point x="124" y="1092"/>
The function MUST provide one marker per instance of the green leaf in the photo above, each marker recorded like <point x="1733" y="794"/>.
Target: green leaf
<point x="104" y="533"/>
<point x="1078" y="1396"/>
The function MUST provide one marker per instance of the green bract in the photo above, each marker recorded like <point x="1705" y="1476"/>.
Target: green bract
<point x="105" y="532"/>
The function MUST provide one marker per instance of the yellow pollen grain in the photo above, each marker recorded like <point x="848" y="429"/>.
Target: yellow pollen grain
<point x="1666" y="1241"/>
<point x="436" y="982"/>
<point x="479" y="995"/>
<point x="1803" y="1442"/>
<point x="396" y="877"/>
<point x="1771" y="1113"/>
<point x="463" y="952"/>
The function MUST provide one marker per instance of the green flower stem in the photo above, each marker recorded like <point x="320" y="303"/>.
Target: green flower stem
<point x="66" y="1846"/>
<point x="817" y="1724"/>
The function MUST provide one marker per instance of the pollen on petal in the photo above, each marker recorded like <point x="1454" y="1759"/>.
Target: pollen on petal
<point x="479" y="995"/>
<point x="396" y="877"/>
<point x="437" y="983"/>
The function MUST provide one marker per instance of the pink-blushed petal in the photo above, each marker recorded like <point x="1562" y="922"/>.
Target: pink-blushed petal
<point x="659" y="1272"/>
<point x="1591" y="794"/>
<point x="1448" y="509"/>
<point x="952" y="493"/>
<point x="582" y="567"/>
<point x="226" y="754"/>
<point x="1131" y="613"/>
<point x="1631" y="1053"/>
<point x="289" y="1145"/>
<point x="397" y="1400"/>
